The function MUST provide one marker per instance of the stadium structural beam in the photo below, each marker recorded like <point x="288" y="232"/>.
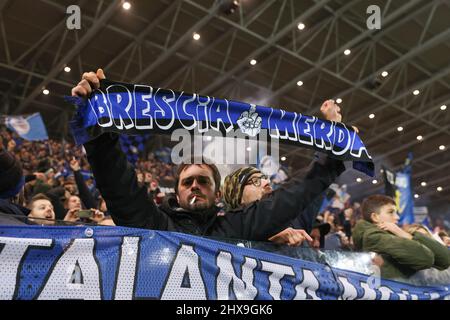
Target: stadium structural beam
<point x="108" y="13"/>
<point x="177" y="45"/>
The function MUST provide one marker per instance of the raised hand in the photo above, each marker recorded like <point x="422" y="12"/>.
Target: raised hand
<point x="331" y="111"/>
<point x="89" y="82"/>
<point x="291" y="237"/>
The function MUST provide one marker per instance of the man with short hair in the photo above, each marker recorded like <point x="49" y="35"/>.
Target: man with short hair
<point x="194" y="209"/>
<point x="403" y="254"/>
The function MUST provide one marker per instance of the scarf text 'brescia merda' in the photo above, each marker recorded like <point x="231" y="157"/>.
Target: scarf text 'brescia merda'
<point x="134" y="109"/>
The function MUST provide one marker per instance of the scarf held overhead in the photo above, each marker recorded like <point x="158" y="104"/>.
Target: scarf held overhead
<point x="136" y="109"/>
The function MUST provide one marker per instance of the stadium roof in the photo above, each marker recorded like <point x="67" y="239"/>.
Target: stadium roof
<point x="153" y="43"/>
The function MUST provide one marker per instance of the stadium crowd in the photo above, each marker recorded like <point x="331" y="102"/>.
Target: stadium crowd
<point x="95" y="184"/>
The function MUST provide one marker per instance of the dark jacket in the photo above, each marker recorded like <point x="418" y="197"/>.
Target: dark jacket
<point x="130" y="205"/>
<point x="12" y="214"/>
<point x="402" y="257"/>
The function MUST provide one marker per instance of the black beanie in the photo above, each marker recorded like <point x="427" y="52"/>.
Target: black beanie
<point x="11" y="177"/>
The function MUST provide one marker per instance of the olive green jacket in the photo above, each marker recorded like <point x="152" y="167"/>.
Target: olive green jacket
<point x="402" y="257"/>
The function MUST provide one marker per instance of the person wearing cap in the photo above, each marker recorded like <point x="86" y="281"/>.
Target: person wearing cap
<point x="12" y="182"/>
<point x="248" y="185"/>
<point x="194" y="209"/>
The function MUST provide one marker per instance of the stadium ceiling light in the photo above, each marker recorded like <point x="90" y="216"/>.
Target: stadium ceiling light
<point x="416" y="196"/>
<point x="358" y="179"/>
<point x="439" y="189"/>
<point x="301" y="26"/>
<point x="253" y="62"/>
<point x="299" y="83"/>
<point x="371" y="116"/>
<point x="347" y="52"/>
<point x="46" y="92"/>
<point x="416" y="92"/>
<point x="126" y="5"/>
<point x="67" y="69"/>
<point x="196" y="36"/>
<point x="283" y="158"/>
<point x="374" y="181"/>
<point x="384" y="74"/>
<point x="338" y="100"/>
<point x="423" y="184"/>
<point x="419" y="137"/>
<point x="441" y="147"/>
<point x="400" y="129"/>
<point x="443" y="107"/>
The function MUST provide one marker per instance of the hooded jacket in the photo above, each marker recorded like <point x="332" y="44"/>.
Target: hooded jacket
<point x="402" y="257"/>
<point x="130" y="205"/>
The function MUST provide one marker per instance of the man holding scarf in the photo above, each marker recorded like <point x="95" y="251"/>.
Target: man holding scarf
<point x="194" y="209"/>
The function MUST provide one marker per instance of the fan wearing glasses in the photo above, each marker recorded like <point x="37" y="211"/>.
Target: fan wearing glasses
<point x="248" y="187"/>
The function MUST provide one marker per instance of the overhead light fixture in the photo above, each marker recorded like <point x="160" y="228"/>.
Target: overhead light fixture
<point x="374" y="181"/>
<point x="419" y="137"/>
<point x="347" y="52"/>
<point x="439" y="189"/>
<point x="46" y="92"/>
<point x="283" y="158"/>
<point x="441" y="147"/>
<point x="126" y="5"/>
<point x="301" y="26"/>
<point x="371" y="116"/>
<point x="416" y="92"/>
<point x="253" y="62"/>
<point x="416" y="196"/>
<point x="384" y="74"/>
<point x="67" y="69"/>
<point x="229" y="6"/>
<point x="400" y="129"/>
<point x="299" y="83"/>
<point x="338" y="100"/>
<point x="423" y="184"/>
<point x="443" y="107"/>
<point x="358" y="179"/>
<point x="196" y="36"/>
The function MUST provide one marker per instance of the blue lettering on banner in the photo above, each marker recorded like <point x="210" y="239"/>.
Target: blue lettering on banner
<point x="125" y="263"/>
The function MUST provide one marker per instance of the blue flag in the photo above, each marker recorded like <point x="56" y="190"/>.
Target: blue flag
<point x="404" y="195"/>
<point x="30" y="128"/>
<point x="398" y="186"/>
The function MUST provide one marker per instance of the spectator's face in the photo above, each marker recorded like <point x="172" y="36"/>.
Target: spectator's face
<point x="70" y="187"/>
<point x="42" y="209"/>
<point x="148" y="177"/>
<point x="197" y="182"/>
<point x="387" y="213"/>
<point x="74" y="203"/>
<point x="446" y="241"/>
<point x="255" y="188"/>
<point x="315" y="235"/>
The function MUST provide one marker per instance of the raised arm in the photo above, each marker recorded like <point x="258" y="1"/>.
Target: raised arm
<point x="116" y="179"/>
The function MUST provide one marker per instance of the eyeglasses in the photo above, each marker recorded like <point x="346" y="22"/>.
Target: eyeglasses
<point x="201" y="180"/>
<point x="256" y="181"/>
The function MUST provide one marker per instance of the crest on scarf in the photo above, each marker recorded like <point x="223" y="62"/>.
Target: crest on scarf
<point x="250" y="122"/>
